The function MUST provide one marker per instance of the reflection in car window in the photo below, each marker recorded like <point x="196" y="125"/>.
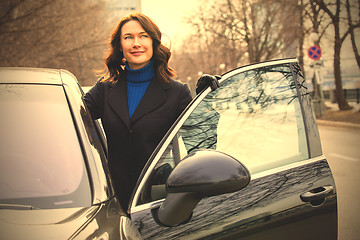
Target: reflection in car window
<point x="254" y="116"/>
<point x="41" y="159"/>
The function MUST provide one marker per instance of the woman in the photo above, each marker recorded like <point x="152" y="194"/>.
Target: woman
<point x="138" y="101"/>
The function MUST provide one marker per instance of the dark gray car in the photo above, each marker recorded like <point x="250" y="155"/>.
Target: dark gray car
<point x="243" y="161"/>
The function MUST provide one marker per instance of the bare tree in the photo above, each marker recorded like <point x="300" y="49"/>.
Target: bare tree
<point x="333" y="9"/>
<point x="55" y="34"/>
<point x="259" y="27"/>
<point x="268" y="33"/>
<point x="205" y="51"/>
<point x="231" y="33"/>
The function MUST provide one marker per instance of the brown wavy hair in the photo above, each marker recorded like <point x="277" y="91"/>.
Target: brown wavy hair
<point x="161" y="54"/>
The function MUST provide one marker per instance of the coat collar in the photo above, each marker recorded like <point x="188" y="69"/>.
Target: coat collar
<point x="153" y="98"/>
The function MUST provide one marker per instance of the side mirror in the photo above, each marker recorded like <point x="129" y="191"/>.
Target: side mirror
<point x="201" y="174"/>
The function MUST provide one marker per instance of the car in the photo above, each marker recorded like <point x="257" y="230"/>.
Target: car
<point x="243" y="161"/>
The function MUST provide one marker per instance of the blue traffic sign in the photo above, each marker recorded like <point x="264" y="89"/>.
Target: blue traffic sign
<point x="314" y="52"/>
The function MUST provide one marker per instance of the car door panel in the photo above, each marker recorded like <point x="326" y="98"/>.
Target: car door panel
<point x="260" y="207"/>
<point x="262" y="116"/>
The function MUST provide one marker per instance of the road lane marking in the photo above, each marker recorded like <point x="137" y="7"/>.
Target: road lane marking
<point x="343" y="157"/>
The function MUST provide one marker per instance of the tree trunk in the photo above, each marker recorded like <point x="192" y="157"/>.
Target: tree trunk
<point x="301" y="37"/>
<point x="352" y="34"/>
<point x="339" y="91"/>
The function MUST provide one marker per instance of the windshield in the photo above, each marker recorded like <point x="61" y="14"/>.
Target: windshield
<point x="41" y="160"/>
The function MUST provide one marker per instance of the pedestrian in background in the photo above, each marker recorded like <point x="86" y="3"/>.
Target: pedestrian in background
<point x="137" y="101"/>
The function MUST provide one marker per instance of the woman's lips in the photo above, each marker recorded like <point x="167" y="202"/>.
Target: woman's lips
<point x="137" y="53"/>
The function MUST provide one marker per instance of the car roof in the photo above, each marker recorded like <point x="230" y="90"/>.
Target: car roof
<point x="32" y="75"/>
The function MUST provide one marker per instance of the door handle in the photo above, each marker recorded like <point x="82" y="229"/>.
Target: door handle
<point x="317" y="196"/>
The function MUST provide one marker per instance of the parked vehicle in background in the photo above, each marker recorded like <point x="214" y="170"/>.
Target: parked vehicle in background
<point x="243" y="161"/>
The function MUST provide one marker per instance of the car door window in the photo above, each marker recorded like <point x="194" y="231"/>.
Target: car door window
<point x="254" y="116"/>
<point x="155" y="187"/>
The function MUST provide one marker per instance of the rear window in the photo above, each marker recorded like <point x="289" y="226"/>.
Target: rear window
<point x="40" y="155"/>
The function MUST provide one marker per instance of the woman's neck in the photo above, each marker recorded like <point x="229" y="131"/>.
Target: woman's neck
<point x="144" y="74"/>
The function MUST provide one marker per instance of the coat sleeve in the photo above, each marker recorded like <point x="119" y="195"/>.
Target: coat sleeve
<point x="94" y="100"/>
<point x="185" y="98"/>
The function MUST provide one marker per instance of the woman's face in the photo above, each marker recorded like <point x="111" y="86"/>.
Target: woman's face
<point x="136" y="45"/>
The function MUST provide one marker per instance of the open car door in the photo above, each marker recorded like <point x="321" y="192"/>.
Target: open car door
<point x="261" y="115"/>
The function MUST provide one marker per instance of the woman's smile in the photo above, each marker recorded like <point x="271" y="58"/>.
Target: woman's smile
<point x="137" y="53"/>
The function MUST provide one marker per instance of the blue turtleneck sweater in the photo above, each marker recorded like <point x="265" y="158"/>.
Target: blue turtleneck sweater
<point x="137" y="83"/>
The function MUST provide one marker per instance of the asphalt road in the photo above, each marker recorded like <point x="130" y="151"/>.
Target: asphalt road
<point x="341" y="146"/>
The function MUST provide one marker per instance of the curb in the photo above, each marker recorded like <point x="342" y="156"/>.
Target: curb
<point x="337" y="124"/>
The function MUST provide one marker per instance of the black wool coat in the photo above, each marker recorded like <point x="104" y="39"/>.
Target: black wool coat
<point x="131" y="141"/>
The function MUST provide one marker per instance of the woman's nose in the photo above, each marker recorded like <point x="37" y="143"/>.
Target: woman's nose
<point x="137" y="42"/>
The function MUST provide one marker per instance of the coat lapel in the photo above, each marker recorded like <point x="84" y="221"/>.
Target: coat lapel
<point x="117" y="99"/>
<point x="153" y="98"/>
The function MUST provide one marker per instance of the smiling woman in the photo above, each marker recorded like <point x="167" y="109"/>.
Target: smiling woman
<point x="137" y="101"/>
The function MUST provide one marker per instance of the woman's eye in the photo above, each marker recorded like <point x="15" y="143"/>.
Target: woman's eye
<point x="127" y="37"/>
<point x="144" y="36"/>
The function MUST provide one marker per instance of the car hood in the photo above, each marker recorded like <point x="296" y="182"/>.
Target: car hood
<point x="44" y="223"/>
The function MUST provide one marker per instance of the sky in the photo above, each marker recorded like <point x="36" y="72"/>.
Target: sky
<point x="169" y="16"/>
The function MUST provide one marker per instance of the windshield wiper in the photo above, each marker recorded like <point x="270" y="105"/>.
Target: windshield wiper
<point x="16" y="206"/>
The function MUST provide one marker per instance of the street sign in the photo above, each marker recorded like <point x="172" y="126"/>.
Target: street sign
<point x="314" y="52"/>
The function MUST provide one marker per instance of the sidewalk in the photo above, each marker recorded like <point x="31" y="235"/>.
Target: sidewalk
<point x="333" y="117"/>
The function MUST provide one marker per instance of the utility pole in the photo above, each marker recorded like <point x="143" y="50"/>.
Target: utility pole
<point x="314" y="52"/>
